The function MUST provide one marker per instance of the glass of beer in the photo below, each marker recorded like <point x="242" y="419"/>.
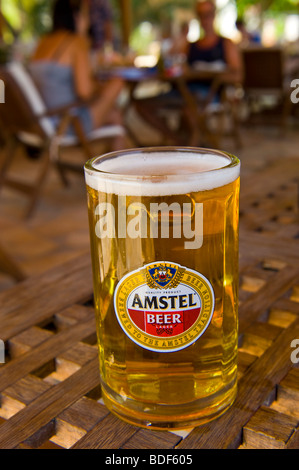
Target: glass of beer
<point x="164" y="246"/>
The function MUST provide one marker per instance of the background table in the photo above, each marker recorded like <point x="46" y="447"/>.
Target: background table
<point x="152" y="106"/>
<point x="49" y="386"/>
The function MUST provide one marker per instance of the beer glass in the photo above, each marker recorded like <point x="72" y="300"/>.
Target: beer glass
<point x="164" y="246"/>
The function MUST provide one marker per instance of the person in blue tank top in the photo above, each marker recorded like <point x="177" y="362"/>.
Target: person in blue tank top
<point x="62" y="70"/>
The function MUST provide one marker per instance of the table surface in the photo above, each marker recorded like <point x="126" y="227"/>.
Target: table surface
<point x="49" y="385"/>
<point x="136" y="75"/>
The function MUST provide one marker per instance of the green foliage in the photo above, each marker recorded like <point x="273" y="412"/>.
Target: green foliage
<point x="28" y="18"/>
<point x="272" y="7"/>
<point x="31" y="18"/>
<point x="39" y="16"/>
<point x="156" y="10"/>
<point x="285" y="6"/>
<point x="153" y="10"/>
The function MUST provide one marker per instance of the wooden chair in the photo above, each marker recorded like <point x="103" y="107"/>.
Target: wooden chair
<point x="26" y="122"/>
<point x="264" y="76"/>
<point x="203" y="112"/>
<point x="191" y="114"/>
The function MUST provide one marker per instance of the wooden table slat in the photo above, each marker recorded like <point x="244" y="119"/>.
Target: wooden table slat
<point x="46" y="351"/>
<point x="46" y="407"/>
<point x="254" y="387"/>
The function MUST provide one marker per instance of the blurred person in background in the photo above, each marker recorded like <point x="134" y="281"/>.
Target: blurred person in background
<point x="211" y="51"/>
<point x="247" y="37"/>
<point x="105" y="40"/>
<point x="62" y="70"/>
<point x="101" y="23"/>
<point x="213" y="48"/>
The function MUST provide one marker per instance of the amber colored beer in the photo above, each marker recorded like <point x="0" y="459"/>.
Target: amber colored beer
<point x="165" y="282"/>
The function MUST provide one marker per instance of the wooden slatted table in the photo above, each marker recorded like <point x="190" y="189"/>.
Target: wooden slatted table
<point x="49" y="385"/>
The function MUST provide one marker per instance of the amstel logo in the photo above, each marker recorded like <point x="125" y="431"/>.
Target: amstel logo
<point x="163" y="306"/>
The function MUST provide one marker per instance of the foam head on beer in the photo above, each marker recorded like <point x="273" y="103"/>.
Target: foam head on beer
<point x="161" y="173"/>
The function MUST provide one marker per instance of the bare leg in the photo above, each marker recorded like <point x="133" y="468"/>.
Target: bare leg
<point x="104" y="111"/>
<point x="115" y="117"/>
<point x="105" y="101"/>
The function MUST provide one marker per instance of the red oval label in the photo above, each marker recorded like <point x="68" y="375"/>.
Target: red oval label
<point x="164" y="306"/>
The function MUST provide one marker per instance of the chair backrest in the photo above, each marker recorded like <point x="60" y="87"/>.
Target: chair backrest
<point x="263" y="68"/>
<point x="23" y="103"/>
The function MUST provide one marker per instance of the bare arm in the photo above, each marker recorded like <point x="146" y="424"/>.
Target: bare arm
<point x="234" y="62"/>
<point x="84" y="83"/>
